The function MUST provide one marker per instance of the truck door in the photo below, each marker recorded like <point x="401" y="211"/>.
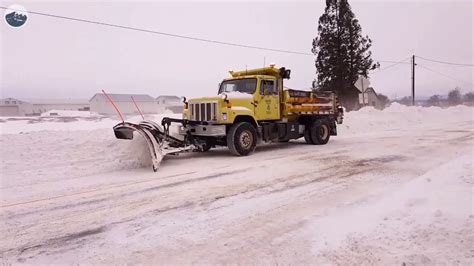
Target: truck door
<point x="267" y="100"/>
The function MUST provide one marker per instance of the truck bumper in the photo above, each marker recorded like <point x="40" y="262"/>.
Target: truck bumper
<point x="203" y="130"/>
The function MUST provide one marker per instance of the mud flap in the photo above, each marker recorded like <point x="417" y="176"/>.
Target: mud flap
<point x="150" y="131"/>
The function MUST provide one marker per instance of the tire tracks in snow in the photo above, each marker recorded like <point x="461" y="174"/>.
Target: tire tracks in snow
<point x="264" y="188"/>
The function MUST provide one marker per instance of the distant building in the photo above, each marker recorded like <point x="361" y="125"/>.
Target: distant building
<point x="171" y="103"/>
<point x="44" y="105"/>
<point x="370" y="98"/>
<point x="15" y="107"/>
<point x="100" y="104"/>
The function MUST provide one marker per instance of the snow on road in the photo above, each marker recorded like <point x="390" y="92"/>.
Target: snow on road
<point x="394" y="187"/>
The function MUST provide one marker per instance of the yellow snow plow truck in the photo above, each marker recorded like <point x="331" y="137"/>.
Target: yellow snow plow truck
<point x="251" y="107"/>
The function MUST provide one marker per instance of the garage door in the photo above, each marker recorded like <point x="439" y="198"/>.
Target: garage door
<point x="9" y="111"/>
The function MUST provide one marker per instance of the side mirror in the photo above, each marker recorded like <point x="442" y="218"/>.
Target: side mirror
<point x="285" y="73"/>
<point x="183" y="99"/>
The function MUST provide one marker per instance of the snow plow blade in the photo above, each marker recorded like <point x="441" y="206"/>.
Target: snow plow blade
<point x="159" y="142"/>
<point x="150" y="131"/>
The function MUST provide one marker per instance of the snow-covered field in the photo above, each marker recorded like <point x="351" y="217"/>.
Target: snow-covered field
<point x="396" y="186"/>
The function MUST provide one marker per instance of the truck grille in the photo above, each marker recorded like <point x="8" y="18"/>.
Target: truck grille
<point x="206" y="111"/>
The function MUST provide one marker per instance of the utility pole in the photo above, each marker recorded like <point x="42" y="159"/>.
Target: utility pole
<point x="413" y="80"/>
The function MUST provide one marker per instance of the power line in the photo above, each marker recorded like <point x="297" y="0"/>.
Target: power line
<point x="443" y="62"/>
<point x="173" y="35"/>
<point x="395" y="63"/>
<point x="442" y="74"/>
<point x="164" y="33"/>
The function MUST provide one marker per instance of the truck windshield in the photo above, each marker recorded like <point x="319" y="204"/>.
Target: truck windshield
<point x="240" y="85"/>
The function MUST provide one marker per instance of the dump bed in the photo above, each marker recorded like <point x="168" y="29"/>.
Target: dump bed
<point x="309" y="102"/>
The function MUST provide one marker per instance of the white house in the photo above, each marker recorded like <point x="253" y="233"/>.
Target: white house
<point x="15" y="107"/>
<point x="171" y="103"/>
<point x="370" y="98"/>
<point x="101" y="105"/>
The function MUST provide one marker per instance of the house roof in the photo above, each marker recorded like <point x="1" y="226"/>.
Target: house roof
<point x="124" y="97"/>
<point x="12" y="99"/>
<point x="370" y="89"/>
<point x="173" y="97"/>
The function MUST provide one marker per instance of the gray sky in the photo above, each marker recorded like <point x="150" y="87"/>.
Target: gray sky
<point x="53" y="58"/>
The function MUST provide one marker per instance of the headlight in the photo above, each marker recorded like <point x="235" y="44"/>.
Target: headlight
<point x="224" y="116"/>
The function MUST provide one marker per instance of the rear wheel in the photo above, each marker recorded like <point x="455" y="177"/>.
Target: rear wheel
<point x="320" y="132"/>
<point x="242" y="139"/>
<point x="307" y="136"/>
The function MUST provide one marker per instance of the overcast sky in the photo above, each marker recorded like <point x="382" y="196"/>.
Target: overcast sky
<point x="54" y="58"/>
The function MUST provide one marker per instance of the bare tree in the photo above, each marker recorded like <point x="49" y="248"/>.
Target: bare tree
<point x="405" y="100"/>
<point x="384" y="100"/>
<point x="454" y="97"/>
<point x="468" y="98"/>
<point x="434" y="100"/>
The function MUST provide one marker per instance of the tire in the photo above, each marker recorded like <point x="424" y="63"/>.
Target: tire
<point x="307" y="136"/>
<point x="320" y="132"/>
<point x="242" y="139"/>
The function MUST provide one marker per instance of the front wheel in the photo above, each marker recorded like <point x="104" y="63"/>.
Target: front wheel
<point x="242" y="139"/>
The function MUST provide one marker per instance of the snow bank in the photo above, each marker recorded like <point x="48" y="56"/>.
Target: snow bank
<point x="19" y="125"/>
<point x="439" y="200"/>
<point x="67" y="113"/>
<point x="365" y="121"/>
<point x="369" y="120"/>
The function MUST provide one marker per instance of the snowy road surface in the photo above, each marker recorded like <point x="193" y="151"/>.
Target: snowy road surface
<point x="395" y="186"/>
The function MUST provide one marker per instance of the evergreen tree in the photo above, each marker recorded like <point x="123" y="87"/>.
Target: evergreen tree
<point x="342" y="53"/>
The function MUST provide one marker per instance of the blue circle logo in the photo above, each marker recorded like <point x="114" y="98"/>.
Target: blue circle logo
<point x="16" y="16"/>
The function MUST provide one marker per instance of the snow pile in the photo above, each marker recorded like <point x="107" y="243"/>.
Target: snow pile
<point x="70" y="154"/>
<point x="67" y="113"/>
<point x="59" y="123"/>
<point x="19" y="125"/>
<point x="437" y="200"/>
<point x="370" y="121"/>
<point x="77" y="141"/>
